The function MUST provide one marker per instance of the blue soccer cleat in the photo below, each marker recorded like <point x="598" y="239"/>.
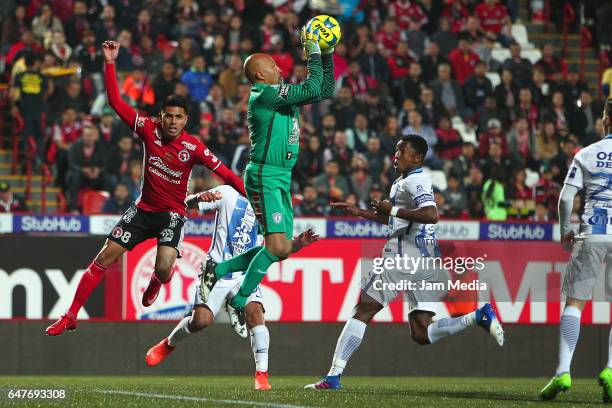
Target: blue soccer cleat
<point x="330" y="382"/>
<point x="487" y="319"/>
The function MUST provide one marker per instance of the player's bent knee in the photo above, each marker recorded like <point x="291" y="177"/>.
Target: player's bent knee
<point x="254" y="315"/>
<point x="420" y="337"/>
<point x="110" y="252"/>
<point x="200" y="321"/>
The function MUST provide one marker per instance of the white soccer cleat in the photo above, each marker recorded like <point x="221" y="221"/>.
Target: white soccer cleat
<point x="237" y="320"/>
<point x="487" y="319"/>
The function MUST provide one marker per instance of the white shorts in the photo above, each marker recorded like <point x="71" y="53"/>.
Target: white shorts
<point x="429" y="283"/>
<point x="589" y="259"/>
<point x="224" y="290"/>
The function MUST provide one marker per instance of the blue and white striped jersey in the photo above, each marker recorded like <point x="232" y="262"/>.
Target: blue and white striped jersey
<point x="411" y="191"/>
<point x="235" y="226"/>
<point x="591" y="170"/>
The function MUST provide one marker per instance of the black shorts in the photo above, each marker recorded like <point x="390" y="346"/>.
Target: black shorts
<point x="137" y="225"/>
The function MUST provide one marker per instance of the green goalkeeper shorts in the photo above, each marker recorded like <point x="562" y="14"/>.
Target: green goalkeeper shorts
<point x="269" y="192"/>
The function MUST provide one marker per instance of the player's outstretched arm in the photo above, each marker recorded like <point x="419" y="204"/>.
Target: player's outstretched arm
<point x="193" y="200"/>
<point x="110" y="50"/>
<point x="358" y="212"/>
<point x="303" y="240"/>
<point x="423" y="215"/>
<point x="308" y="91"/>
<point x="230" y="178"/>
<point x="566" y="203"/>
<point x="328" y="83"/>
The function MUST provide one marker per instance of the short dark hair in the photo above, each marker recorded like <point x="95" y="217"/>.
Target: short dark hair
<point x="30" y="58"/>
<point x="417" y="143"/>
<point x="175" y="100"/>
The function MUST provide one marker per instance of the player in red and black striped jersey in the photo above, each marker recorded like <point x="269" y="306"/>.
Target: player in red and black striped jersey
<point x="159" y="212"/>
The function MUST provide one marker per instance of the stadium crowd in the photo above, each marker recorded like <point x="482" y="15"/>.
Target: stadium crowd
<point x="402" y="67"/>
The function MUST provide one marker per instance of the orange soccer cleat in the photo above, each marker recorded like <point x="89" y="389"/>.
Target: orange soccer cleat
<point x="66" y="322"/>
<point x="150" y="294"/>
<point x="159" y="352"/>
<point x="261" y="381"/>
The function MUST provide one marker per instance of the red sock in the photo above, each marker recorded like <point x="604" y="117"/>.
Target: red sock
<point x="89" y="281"/>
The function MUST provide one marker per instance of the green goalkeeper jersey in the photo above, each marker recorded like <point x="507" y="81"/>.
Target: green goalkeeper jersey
<point x="273" y="115"/>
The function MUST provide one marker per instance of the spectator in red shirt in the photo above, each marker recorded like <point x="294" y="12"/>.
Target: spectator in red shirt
<point x="449" y="140"/>
<point x="492" y="15"/>
<point x="527" y="108"/>
<point x="399" y="62"/>
<point x="555" y="69"/>
<point x="388" y="37"/>
<point x="463" y="60"/>
<point x="357" y="81"/>
<point x="283" y="59"/>
<point x="493" y="135"/>
<point x="18" y="49"/>
<point x="405" y="10"/>
<point x="457" y="12"/>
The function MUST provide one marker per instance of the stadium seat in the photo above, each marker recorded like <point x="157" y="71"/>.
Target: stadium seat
<point x="438" y="179"/>
<point x="531" y="178"/>
<point x="494" y="78"/>
<point x="519" y="32"/>
<point x="467" y="134"/>
<point x="93" y="201"/>
<point x="533" y="55"/>
<point x="500" y="54"/>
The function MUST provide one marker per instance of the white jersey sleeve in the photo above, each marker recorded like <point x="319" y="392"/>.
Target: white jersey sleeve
<point x="575" y="173"/>
<point x="214" y="205"/>
<point x="420" y="190"/>
<point x="591" y="171"/>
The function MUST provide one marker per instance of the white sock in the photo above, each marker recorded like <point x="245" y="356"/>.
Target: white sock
<point x="260" y="343"/>
<point x="348" y="343"/>
<point x="610" y="350"/>
<point x="569" y="329"/>
<point x="180" y="332"/>
<point x="448" y="326"/>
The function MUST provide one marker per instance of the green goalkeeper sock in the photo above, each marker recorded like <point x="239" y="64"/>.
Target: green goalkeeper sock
<point x="254" y="274"/>
<point x="237" y="263"/>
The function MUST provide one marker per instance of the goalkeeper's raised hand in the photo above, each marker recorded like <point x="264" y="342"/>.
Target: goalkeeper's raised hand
<point x="310" y="42"/>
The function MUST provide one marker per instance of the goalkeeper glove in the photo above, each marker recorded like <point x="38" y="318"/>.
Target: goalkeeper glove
<point x="310" y="42"/>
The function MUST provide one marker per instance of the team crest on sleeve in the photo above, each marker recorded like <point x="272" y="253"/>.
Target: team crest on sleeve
<point x="183" y="155"/>
<point x="572" y="172"/>
<point x="117" y="232"/>
<point x="419" y="188"/>
<point x="140" y="121"/>
<point x="189" y="146"/>
<point x="283" y="91"/>
<point x="277" y="217"/>
<point x="206" y="152"/>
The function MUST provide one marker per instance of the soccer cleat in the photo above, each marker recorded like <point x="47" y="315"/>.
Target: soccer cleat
<point x="159" y="352"/>
<point x="330" y="382"/>
<point x="487" y="319"/>
<point x="150" y="294"/>
<point x="66" y="322"/>
<point x="261" y="381"/>
<point x="208" y="278"/>
<point x="558" y="383"/>
<point x="237" y="319"/>
<point x="605" y="380"/>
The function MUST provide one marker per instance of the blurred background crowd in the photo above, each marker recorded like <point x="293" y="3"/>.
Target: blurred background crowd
<point x="502" y="117"/>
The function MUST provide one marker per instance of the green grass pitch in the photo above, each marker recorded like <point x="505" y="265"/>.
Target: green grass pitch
<point x="288" y="392"/>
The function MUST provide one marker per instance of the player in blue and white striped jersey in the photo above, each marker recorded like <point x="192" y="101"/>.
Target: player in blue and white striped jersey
<point x="236" y="231"/>
<point x="411" y="214"/>
<point x="590" y="171"/>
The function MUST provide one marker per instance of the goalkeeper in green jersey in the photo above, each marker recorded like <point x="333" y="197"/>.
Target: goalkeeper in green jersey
<point x="274" y="129"/>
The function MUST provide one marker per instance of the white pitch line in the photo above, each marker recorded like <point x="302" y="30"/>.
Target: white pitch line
<point x="202" y="399"/>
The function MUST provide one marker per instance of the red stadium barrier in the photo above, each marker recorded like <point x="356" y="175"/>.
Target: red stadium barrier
<point x="585" y="43"/>
<point x="322" y="282"/>
<point x="569" y="15"/>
